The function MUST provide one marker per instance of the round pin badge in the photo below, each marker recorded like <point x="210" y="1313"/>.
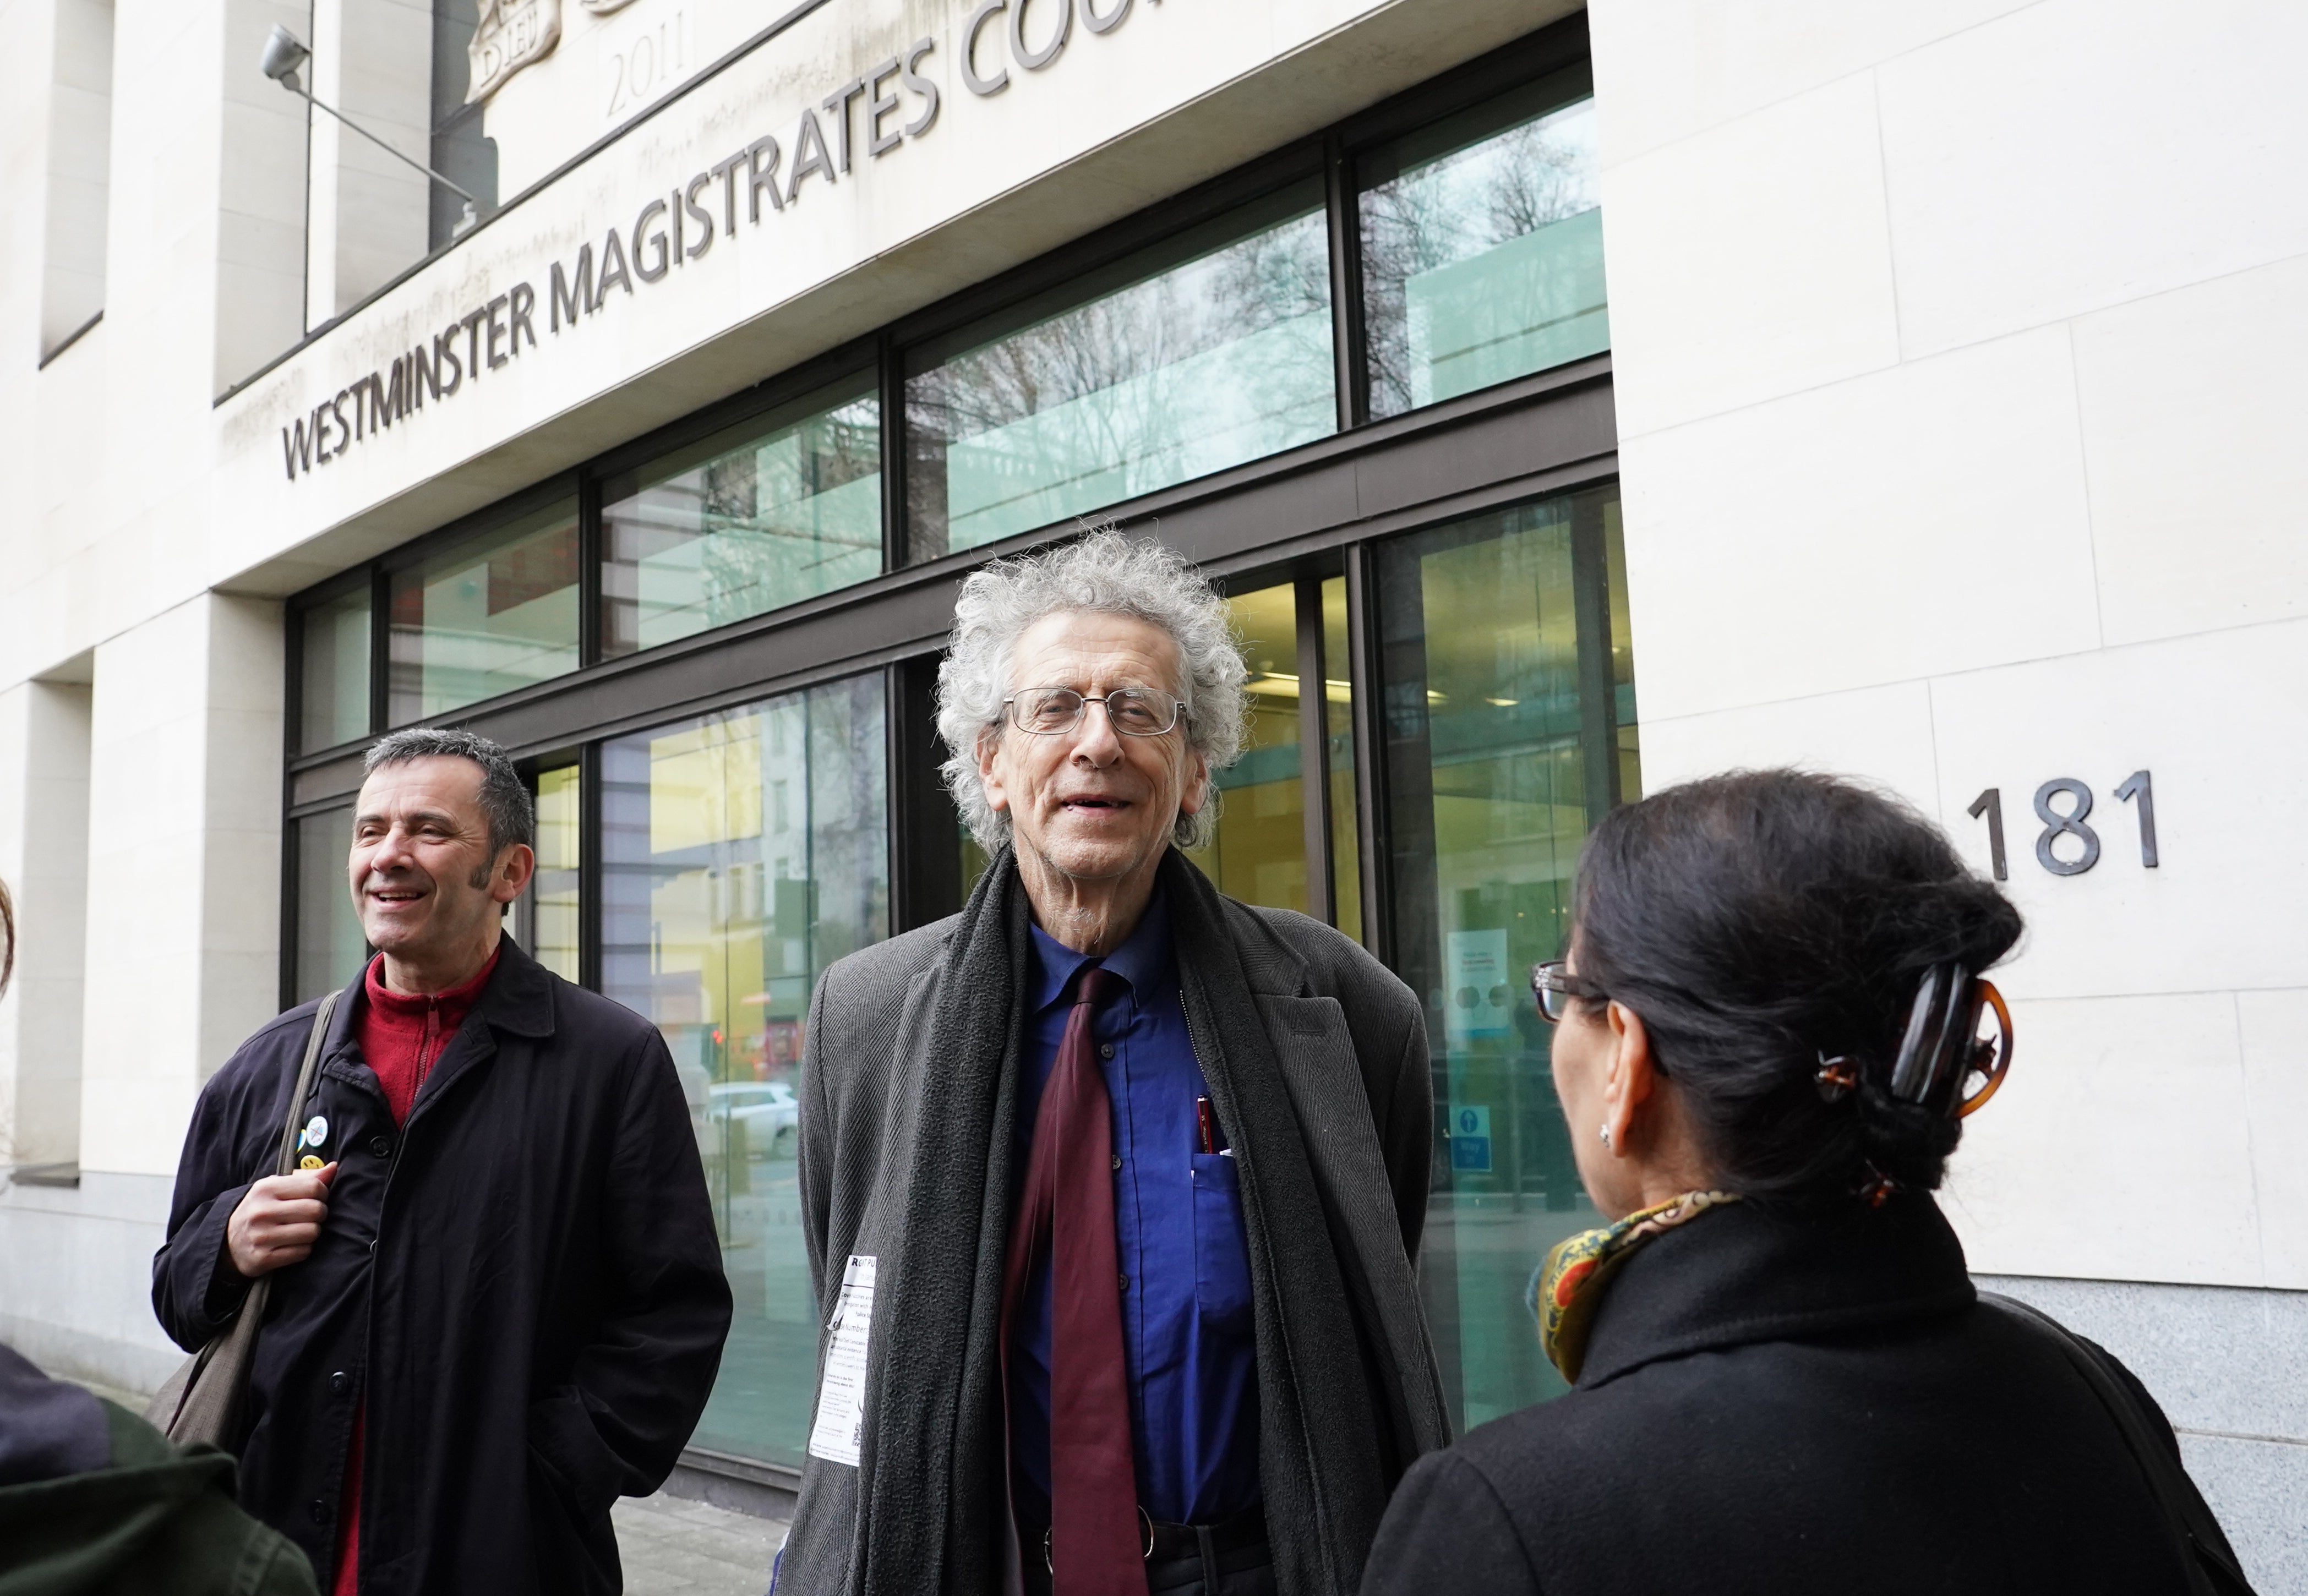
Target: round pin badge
<point x="316" y="1131"/>
<point x="310" y="1163"/>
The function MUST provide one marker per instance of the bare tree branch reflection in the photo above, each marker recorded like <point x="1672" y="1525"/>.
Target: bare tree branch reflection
<point x="752" y="529"/>
<point x="1457" y="208"/>
<point x="1217" y="360"/>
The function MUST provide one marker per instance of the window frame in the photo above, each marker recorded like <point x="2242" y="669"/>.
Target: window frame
<point x="859" y="357"/>
<point x="1077" y="276"/>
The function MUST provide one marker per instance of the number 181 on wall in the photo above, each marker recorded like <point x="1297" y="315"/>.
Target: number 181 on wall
<point x="2072" y="822"/>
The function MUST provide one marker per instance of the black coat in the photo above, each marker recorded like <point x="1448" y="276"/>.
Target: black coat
<point x="94" y="1500"/>
<point x="1782" y="1409"/>
<point x="524" y="1282"/>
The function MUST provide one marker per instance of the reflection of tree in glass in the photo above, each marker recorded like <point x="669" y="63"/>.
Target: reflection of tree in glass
<point x="1104" y="375"/>
<point x="1459" y="206"/>
<point x="1288" y="272"/>
<point x="766" y="542"/>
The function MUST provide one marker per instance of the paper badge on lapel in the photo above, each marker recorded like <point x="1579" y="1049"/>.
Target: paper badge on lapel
<point x="839" y="1432"/>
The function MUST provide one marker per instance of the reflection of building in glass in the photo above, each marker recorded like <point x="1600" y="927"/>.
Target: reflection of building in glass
<point x="747" y="521"/>
<point x="485" y="616"/>
<point x="1504" y="665"/>
<point x="1213" y="348"/>
<point x="741" y="853"/>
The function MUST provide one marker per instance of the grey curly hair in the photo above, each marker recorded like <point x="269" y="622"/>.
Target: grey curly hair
<point x="1103" y="572"/>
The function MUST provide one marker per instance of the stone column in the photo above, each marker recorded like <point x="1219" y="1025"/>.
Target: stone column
<point x="43" y="739"/>
<point x="183" y="870"/>
<point x="180" y="962"/>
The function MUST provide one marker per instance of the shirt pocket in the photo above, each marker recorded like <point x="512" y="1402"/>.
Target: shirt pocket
<point x="1221" y="1253"/>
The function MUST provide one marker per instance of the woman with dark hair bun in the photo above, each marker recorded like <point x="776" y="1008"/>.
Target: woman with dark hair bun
<point x="1783" y="1381"/>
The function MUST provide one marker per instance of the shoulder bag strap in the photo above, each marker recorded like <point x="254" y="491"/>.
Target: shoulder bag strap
<point x="287" y="1162"/>
<point x="2212" y="1566"/>
<point x="215" y="1380"/>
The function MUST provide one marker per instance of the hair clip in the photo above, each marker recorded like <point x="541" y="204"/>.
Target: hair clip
<point x="1836" y="1076"/>
<point x="1989" y="1059"/>
<point x="1878" y="1189"/>
<point x="1943" y="1050"/>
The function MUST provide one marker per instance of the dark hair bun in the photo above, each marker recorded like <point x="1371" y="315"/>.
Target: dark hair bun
<point x="1763" y="920"/>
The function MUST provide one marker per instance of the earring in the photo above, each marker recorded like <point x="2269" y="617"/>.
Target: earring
<point x="1606" y="1135"/>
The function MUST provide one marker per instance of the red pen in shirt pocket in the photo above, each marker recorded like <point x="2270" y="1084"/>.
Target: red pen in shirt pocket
<point x="1206" y="1121"/>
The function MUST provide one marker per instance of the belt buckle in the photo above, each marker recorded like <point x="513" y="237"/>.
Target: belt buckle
<point x="1147" y="1556"/>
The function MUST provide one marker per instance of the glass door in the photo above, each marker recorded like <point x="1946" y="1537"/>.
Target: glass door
<point x="1297" y="738"/>
<point x="742" y="853"/>
<point x="1509" y="729"/>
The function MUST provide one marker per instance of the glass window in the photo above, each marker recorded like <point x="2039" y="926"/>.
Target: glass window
<point x="1507" y="688"/>
<point x="741" y="853"/>
<point x="1482" y="240"/>
<point x="330" y="946"/>
<point x="461" y="151"/>
<point x="780" y="508"/>
<point x="1259" y="854"/>
<point x="554" y="902"/>
<point x="1213" y="349"/>
<point x="488" y="614"/>
<point x="334" y="680"/>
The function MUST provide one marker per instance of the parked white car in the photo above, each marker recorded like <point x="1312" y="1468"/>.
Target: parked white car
<point x="769" y="1111"/>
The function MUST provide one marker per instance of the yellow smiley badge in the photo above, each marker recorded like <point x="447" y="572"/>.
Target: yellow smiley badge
<point x="309" y="1163"/>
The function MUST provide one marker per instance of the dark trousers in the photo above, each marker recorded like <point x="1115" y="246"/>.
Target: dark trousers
<point x="1227" y="1558"/>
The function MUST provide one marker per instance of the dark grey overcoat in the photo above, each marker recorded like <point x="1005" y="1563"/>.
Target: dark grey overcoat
<point x="1347" y="1040"/>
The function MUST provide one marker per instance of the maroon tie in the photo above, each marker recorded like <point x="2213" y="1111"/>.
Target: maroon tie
<point x="1067" y="1215"/>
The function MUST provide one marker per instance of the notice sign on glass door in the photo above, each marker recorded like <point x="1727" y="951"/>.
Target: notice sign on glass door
<point x="1475" y="999"/>
<point x="1470" y="1138"/>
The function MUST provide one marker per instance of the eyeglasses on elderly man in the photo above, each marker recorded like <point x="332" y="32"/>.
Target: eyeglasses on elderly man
<point x="1054" y="711"/>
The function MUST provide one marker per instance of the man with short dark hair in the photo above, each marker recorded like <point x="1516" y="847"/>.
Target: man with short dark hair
<point x="499" y="1301"/>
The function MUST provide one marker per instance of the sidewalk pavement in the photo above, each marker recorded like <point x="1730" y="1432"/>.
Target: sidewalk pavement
<point x="672" y="1547"/>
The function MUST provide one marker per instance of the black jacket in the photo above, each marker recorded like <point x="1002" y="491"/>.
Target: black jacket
<point x="96" y="1502"/>
<point x="1783" y="1407"/>
<point x="524" y="1282"/>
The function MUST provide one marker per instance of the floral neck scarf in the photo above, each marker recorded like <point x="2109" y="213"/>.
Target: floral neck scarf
<point x="1569" y="1286"/>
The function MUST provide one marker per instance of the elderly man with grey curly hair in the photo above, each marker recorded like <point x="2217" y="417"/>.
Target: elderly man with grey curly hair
<point x="1113" y="1186"/>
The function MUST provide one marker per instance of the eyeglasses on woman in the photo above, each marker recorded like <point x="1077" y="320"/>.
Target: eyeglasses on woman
<point x="1554" y="985"/>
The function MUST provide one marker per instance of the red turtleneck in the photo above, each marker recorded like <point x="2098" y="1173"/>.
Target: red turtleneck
<point x="403" y="1035"/>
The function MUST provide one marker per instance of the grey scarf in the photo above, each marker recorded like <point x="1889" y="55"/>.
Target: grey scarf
<point x="1332" y="1438"/>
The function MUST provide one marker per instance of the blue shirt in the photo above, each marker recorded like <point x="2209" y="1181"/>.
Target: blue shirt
<point x="1186" y="1321"/>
